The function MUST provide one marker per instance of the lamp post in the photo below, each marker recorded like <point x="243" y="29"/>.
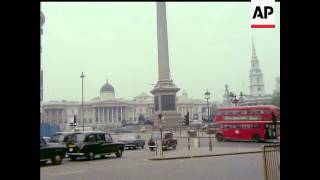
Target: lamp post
<point x="234" y="98"/>
<point x="82" y="76"/>
<point x="160" y="128"/>
<point x="207" y="97"/>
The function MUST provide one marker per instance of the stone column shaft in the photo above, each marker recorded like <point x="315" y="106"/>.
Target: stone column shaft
<point x="162" y="38"/>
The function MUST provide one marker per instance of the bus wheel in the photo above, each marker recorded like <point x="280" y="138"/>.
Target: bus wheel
<point x="219" y="137"/>
<point x="256" y="138"/>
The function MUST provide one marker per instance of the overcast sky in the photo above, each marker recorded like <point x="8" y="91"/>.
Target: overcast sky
<point x="209" y="46"/>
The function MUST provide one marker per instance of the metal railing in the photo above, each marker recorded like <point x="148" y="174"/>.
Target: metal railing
<point x="271" y="161"/>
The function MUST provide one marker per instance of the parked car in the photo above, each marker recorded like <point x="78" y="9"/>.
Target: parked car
<point x="132" y="141"/>
<point x="59" y="137"/>
<point x="212" y="128"/>
<point x="89" y="144"/>
<point x="47" y="139"/>
<point x="196" y="123"/>
<point x="51" y="151"/>
<point x="168" y="140"/>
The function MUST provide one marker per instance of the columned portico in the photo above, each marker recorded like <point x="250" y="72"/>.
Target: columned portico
<point x="112" y="115"/>
<point x="108" y="118"/>
<point x="103" y="117"/>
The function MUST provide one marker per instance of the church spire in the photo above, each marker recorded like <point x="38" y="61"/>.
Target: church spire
<point x="253" y="48"/>
<point x="256" y="76"/>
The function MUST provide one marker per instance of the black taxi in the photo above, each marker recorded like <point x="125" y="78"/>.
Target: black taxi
<point x="91" y="143"/>
<point x="51" y="151"/>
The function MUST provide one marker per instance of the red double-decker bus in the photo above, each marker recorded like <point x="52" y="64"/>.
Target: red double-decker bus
<point x="250" y="123"/>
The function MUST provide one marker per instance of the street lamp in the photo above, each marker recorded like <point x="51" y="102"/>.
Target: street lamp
<point x="161" y="118"/>
<point x="207" y="97"/>
<point x="82" y="76"/>
<point x="234" y="98"/>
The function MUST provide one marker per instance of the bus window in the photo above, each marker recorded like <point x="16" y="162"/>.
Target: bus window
<point x="267" y="112"/>
<point x="246" y="126"/>
<point x="256" y="126"/>
<point x="243" y="112"/>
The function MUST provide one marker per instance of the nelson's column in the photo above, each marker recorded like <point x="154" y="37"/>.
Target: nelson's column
<point x="164" y="91"/>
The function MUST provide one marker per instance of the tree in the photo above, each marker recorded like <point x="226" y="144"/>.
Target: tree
<point x="276" y="99"/>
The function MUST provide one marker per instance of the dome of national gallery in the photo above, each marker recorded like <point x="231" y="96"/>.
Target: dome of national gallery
<point x="107" y="88"/>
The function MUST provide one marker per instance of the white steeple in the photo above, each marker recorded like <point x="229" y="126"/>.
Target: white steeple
<point x="256" y="76"/>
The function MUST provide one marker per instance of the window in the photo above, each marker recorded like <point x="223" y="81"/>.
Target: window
<point x="169" y="135"/>
<point x="246" y="126"/>
<point x="243" y="112"/>
<point x="100" y="137"/>
<point x="236" y="126"/>
<point x="57" y="138"/>
<point x="236" y="112"/>
<point x="256" y="126"/>
<point x="92" y="138"/>
<point x="108" y="138"/>
<point x="267" y="112"/>
<point x="227" y="126"/>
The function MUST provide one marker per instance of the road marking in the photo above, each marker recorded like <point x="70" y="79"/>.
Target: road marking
<point x="67" y="173"/>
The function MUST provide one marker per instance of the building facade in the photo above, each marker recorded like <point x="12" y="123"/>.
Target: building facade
<point x="107" y="110"/>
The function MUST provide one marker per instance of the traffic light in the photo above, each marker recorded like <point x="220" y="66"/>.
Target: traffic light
<point x="186" y="119"/>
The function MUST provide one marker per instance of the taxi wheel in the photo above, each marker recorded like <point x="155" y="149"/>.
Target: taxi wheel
<point x="219" y="137"/>
<point x="90" y="156"/>
<point x="57" y="159"/>
<point x="119" y="153"/>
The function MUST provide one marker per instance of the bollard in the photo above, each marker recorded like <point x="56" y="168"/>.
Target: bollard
<point x="188" y="143"/>
<point x="196" y="142"/>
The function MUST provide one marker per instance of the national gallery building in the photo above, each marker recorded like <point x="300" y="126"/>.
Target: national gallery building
<point x="109" y="111"/>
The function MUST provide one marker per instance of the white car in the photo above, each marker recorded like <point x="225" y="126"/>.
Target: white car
<point x="196" y="122"/>
<point x="47" y="139"/>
